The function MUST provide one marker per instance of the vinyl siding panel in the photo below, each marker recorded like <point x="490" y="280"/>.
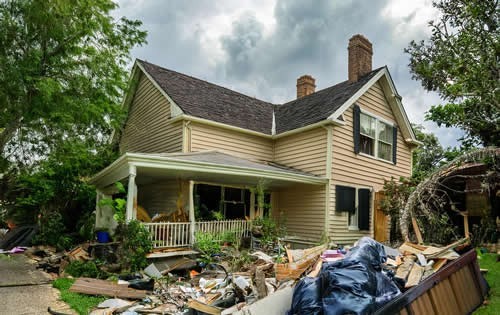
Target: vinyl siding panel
<point x="205" y="137"/>
<point x="303" y="210"/>
<point x="360" y="171"/>
<point x="305" y="151"/>
<point x="148" y="128"/>
<point x="161" y="196"/>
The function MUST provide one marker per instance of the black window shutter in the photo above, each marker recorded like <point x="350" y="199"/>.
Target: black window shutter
<point x="355" y="113"/>
<point x="364" y="209"/>
<point x="394" y="143"/>
<point x="345" y="199"/>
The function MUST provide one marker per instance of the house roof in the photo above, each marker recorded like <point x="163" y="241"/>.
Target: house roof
<point x="206" y="100"/>
<point x="200" y="99"/>
<point x="317" y="106"/>
<point x="202" y="166"/>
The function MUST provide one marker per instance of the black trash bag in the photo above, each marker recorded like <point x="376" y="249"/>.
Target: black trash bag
<point x="356" y="284"/>
<point x="19" y="236"/>
<point x="306" y="297"/>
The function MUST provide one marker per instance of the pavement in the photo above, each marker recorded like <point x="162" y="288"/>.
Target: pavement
<point x="26" y="290"/>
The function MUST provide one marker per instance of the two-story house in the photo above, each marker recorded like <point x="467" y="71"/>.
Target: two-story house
<point x="194" y="148"/>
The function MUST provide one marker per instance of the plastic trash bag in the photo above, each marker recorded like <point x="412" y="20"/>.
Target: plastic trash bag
<point x="306" y="297"/>
<point x="354" y="285"/>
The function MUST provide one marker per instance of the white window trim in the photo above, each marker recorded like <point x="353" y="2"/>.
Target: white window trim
<point x="376" y="139"/>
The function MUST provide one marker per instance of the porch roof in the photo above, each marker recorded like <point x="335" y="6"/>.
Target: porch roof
<point x="207" y="166"/>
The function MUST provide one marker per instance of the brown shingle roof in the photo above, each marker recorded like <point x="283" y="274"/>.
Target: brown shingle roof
<point x="206" y="100"/>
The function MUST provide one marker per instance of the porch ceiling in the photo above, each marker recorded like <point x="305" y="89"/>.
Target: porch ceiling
<point x="207" y="166"/>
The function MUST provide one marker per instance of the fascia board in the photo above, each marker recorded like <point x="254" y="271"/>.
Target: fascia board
<point x="175" y="110"/>
<point x="182" y="165"/>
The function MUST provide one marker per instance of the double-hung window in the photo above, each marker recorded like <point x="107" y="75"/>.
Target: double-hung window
<point x="374" y="137"/>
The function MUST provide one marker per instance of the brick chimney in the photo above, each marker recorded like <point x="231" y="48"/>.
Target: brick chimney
<point x="360" y="57"/>
<point x="305" y="85"/>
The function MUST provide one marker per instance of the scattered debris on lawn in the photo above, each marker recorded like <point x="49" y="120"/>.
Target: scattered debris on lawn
<point x="283" y="280"/>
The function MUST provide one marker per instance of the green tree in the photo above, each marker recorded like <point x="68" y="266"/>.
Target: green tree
<point x="460" y="61"/>
<point x="62" y="75"/>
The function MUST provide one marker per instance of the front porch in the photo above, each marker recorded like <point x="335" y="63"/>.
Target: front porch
<point x="177" y="195"/>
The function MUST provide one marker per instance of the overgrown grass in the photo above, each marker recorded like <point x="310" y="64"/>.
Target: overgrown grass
<point x="81" y="303"/>
<point x="489" y="261"/>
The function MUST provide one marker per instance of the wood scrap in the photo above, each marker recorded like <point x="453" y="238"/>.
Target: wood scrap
<point x="416" y="229"/>
<point x="78" y="254"/>
<point x="438" y="264"/>
<point x="260" y="283"/>
<point x="414" y="276"/>
<point x="409" y="248"/>
<point x="295" y="269"/>
<point x="202" y="307"/>
<point x="107" y="288"/>
<point x="316" y="269"/>
<point x="404" y="269"/>
<point x="447" y="248"/>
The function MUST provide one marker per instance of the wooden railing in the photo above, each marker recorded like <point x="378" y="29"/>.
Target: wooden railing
<point x="177" y="234"/>
<point x="238" y="227"/>
<point x="169" y="234"/>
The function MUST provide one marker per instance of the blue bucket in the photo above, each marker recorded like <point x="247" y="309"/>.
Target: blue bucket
<point x="102" y="237"/>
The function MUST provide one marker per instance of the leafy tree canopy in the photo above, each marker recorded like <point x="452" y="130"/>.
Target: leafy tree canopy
<point x="62" y="75"/>
<point x="460" y="61"/>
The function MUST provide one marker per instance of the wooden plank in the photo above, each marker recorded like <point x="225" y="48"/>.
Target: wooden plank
<point x="416" y="229"/>
<point x="408" y="248"/>
<point x="414" y="276"/>
<point x="404" y="269"/>
<point x="106" y="288"/>
<point x="438" y="264"/>
<point x="202" y="307"/>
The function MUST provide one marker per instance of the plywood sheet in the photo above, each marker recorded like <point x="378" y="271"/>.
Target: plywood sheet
<point x="106" y="288"/>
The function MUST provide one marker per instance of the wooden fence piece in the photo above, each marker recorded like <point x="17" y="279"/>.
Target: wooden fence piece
<point x="107" y="288"/>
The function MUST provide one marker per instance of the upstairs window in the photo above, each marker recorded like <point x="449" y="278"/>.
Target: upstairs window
<point x="374" y="137"/>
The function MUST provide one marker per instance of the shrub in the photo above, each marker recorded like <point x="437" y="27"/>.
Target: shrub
<point x="208" y="244"/>
<point x="87" y="269"/>
<point x="135" y="243"/>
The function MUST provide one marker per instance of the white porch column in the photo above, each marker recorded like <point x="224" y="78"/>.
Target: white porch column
<point x="98" y="210"/>
<point x="132" y="194"/>
<point x="191" y="210"/>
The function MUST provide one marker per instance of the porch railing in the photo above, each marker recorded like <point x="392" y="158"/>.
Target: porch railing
<point x="177" y="234"/>
<point x="169" y="234"/>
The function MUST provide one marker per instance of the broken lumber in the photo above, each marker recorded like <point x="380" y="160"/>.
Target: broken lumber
<point x="438" y="263"/>
<point x="293" y="271"/>
<point x="202" y="307"/>
<point x="445" y="249"/>
<point x="416" y="229"/>
<point x="415" y="275"/>
<point x="404" y="269"/>
<point x="107" y="288"/>
<point x="411" y="248"/>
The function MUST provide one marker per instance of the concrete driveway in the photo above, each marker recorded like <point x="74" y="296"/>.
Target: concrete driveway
<point x="26" y="290"/>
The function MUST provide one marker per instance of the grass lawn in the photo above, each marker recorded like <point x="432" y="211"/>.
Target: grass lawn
<point x="81" y="303"/>
<point x="489" y="261"/>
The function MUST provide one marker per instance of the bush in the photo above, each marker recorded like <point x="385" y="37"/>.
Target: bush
<point x="208" y="244"/>
<point x="86" y="269"/>
<point x="135" y="243"/>
<point x="52" y="231"/>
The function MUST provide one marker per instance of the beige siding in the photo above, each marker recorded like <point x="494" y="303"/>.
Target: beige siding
<point x="148" y="129"/>
<point x="361" y="171"/>
<point x="305" y="151"/>
<point x="303" y="210"/>
<point x="205" y="137"/>
<point x="161" y="196"/>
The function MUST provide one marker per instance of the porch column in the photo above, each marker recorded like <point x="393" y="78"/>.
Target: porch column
<point x="132" y="194"/>
<point x="191" y="210"/>
<point x="98" y="210"/>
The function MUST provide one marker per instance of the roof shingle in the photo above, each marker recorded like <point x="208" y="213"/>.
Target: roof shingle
<point x="206" y="100"/>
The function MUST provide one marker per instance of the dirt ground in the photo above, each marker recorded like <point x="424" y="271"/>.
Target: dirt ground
<point x="26" y="290"/>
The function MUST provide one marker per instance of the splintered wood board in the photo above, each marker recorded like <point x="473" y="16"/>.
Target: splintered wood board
<point x="106" y="288"/>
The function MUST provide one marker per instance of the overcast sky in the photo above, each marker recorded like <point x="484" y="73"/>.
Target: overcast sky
<point x="261" y="47"/>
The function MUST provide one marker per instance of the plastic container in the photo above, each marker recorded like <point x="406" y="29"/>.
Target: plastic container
<point x="102" y="237"/>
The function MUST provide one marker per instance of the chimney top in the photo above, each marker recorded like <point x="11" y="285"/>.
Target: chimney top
<point x="305" y="85"/>
<point x="360" y="57"/>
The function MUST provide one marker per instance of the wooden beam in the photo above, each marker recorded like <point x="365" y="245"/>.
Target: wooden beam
<point x="417" y="230"/>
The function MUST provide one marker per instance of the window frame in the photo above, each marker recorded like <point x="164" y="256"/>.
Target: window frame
<point x="376" y="139"/>
<point x="354" y="217"/>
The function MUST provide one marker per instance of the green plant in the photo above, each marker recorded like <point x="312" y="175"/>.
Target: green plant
<point x="238" y="260"/>
<point x="81" y="303"/>
<point x="228" y="237"/>
<point x="208" y="244"/>
<point x="270" y="230"/>
<point x="135" y="243"/>
<point x="52" y="231"/>
<point x="218" y="215"/>
<point x="88" y="269"/>
<point x="119" y="205"/>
